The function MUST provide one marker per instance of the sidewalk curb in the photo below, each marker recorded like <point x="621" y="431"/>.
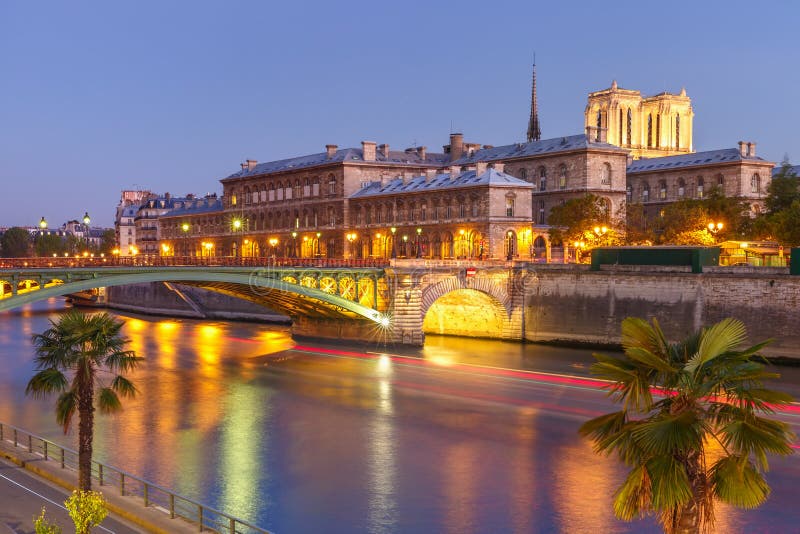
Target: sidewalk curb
<point x="63" y="483"/>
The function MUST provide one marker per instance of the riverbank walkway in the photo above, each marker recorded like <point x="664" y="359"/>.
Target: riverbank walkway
<point x="35" y="473"/>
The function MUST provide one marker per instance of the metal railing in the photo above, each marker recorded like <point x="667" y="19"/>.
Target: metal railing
<point x="186" y="261"/>
<point x="152" y="495"/>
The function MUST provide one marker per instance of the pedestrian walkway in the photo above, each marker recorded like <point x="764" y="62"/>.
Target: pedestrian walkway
<point x="28" y="482"/>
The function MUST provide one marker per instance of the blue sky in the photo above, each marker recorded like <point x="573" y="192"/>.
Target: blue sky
<point x="99" y="96"/>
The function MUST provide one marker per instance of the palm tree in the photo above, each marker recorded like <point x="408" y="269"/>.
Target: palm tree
<point x="85" y="347"/>
<point x="691" y="425"/>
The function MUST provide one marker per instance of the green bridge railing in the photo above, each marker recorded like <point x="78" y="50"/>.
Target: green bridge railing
<point x="152" y="495"/>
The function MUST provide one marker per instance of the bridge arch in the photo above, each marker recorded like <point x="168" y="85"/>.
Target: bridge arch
<point x="453" y="283"/>
<point x="275" y="293"/>
<point x="475" y="307"/>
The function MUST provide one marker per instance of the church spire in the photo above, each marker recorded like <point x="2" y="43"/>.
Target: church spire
<point x="534" y="131"/>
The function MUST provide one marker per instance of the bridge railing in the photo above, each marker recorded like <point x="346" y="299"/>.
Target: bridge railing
<point x="186" y="261"/>
<point x="151" y="495"/>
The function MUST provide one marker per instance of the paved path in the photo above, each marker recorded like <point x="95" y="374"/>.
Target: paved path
<point x="23" y="495"/>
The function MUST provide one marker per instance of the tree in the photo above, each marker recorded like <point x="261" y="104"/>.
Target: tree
<point x="87" y="509"/>
<point x="703" y="437"/>
<point x="109" y="242"/>
<point x="783" y="189"/>
<point x="637" y="229"/>
<point x="15" y="242"/>
<point x="49" y="244"/>
<point x="85" y="346"/>
<point x="784" y="224"/>
<point x="572" y="220"/>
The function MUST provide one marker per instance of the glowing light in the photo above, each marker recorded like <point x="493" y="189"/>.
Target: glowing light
<point x="185" y="227"/>
<point x="237" y="223"/>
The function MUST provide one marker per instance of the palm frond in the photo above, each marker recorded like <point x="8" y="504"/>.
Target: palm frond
<point x="46" y="382"/>
<point x="736" y="481"/>
<point x="633" y="498"/>
<point x="758" y="436"/>
<point x="66" y="406"/>
<point x="671" y="488"/>
<point x="668" y="434"/>
<point x="718" y="339"/>
<point x="108" y="401"/>
<point x="123" y="386"/>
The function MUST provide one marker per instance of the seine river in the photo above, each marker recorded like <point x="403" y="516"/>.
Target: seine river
<point x="336" y="438"/>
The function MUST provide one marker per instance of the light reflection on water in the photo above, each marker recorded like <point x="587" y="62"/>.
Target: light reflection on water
<point x="298" y="443"/>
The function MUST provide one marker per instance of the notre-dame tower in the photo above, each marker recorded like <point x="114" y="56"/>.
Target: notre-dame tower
<point x="651" y="127"/>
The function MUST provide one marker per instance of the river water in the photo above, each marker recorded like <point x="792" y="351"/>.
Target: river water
<point x="337" y="438"/>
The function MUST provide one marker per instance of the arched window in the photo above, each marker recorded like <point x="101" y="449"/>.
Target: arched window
<point x="542" y="179"/>
<point x="605" y="174"/>
<point x="620" y="126"/>
<point x="523" y="174"/>
<point x="509" y="205"/>
<point x="630" y="127"/>
<point x="755" y="184"/>
<point x="298" y="189"/>
<point x="332" y="185"/>
<point x="279" y="189"/>
<point x="677" y="131"/>
<point x="287" y="193"/>
<point x="701" y="187"/>
<point x="650" y="130"/>
<point x="681" y="187"/>
<point x="662" y="190"/>
<point x="721" y="182"/>
<point x="645" y="192"/>
<point x="562" y="177"/>
<point x="423" y="212"/>
<point x="271" y="192"/>
<point x="599" y="119"/>
<point x="658" y="130"/>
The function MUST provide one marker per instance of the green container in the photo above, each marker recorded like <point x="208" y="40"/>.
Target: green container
<point x="794" y="261"/>
<point x="695" y="257"/>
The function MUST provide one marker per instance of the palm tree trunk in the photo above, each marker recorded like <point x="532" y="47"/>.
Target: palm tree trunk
<point x="85" y="433"/>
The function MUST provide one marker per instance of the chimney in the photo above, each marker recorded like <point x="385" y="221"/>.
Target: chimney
<point x="404" y="178"/>
<point x="368" y="150"/>
<point x="331" y="150"/>
<point x="456" y="146"/>
<point x="384" y="150"/>
<point x="430" y="174"/>
<point x="480" y="168"/>
<point x="421" y="152"/>
<point x="244" y="166"/>
<point x="486" y="147"/>
<point x="499" y="166"/>
<point x="251" y="164"/>
<point x="751" y="149"/>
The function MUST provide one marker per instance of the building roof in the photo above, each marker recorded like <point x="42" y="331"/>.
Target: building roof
<point x="695" y="159"/>
<point x="351" y="155"/>
<point x="793" y="169"/>
<point x="534" y="148"/>
<point x="440" y="182"/>
<point x="197" y="206"/>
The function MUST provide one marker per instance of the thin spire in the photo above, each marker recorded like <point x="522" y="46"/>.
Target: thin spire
<point x="534" y="131"/>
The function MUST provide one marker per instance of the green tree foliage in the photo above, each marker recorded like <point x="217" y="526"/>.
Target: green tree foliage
<point x="15" y="243"/>
<point x="638" y="230"/>
<point x="87" y="510"/>
<point x="575" y="219"/>
<point x="684" y="222"/>
<point x="108" y="243"/>
<point x="692" y="425"/>
<point x="783" y="189"/>
<point x="785" y="225"/>
<point x="90" y="350"/>
<point x="49" y="244"/>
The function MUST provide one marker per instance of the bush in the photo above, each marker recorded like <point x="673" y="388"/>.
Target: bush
<point x="87" y="510"/>
<point x="42" y="526"/>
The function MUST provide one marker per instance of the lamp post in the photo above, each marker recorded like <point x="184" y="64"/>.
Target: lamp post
<point x="394" y="248"/>
<point x="351" y="237"/>
<point x="86" y="219"/>
<point x="405" y="245"/>
<point x="43" y="224"/>
<point x="319" y="234"/>
<point x="294" y="246"/>
<point x="237" y="227"/>
<point x="185" y="229"/>
<point x="509" y="246"/>
<point x="419" y="233"/>
<point x="600" y="232"/>
<point x="714" y="227"/>
<point x="273" y="242"/>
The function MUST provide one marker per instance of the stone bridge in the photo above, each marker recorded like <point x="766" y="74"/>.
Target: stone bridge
<point x="403" y="301"/>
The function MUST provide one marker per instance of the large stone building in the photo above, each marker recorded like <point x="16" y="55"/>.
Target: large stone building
<point x="649" y="127"/>
<point x="471" y="200"/>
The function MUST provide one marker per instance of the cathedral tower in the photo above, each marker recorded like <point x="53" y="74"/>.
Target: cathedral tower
<point x="534" y="131"/>
<point x="650" y="127"/>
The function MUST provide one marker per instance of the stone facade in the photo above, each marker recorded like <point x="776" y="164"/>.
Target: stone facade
<point x="649" y="127"/>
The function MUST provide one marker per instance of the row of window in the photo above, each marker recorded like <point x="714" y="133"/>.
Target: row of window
<point x="280" y="191"/>
<point x="540" y="177"/>
<point x="683" y="191"/>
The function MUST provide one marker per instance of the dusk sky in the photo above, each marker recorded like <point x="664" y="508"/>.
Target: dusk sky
<point x="96" y="97"/>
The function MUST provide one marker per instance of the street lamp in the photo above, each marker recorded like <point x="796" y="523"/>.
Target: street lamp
<point x="405" y="245"/>
<point x="319" y="234"/>
<point x="714" y="227"/>
<point x="382" y="248"/>
<point x="461" y="247"/>
<point x="237" y="227"/>
<point x="600" y="231"/>
<point x="394" y="249"/>
<point x="419" y="233"/>
<point x="294" y="247"/>
<point x="273" y="242"/>
<point x="86" y="219"/>
<point x="43" y="224"/>
<point x="351" y="237"/>
<point x="185" y="229"/>
<point x="509" y="245"/>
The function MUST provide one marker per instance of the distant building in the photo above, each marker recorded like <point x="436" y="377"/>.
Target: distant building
<point x="124" y="224"/>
